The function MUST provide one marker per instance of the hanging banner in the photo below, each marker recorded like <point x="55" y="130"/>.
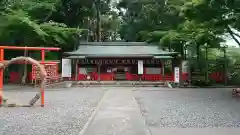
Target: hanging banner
<point x="185" y="66"/>
<point x="140" y="67"/>
<point x="66" y="68"/>
<point x="176" y="75"/>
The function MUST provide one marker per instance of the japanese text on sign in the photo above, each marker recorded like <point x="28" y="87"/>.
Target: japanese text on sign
<point x="176" y="75"/>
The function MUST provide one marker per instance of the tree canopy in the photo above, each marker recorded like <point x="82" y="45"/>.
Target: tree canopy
<point x="173" y="23"/>
<point x="57" y="23"/>
<point x="176" y="25"/>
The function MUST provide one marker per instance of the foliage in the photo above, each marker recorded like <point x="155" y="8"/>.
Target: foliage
<point x="59" y="23"/>
<point x="179" y="25"/>
<point x="60" y="35"/>
<point x="202" y="83"/>
<point x="233" y="65"/>
<point x="23" y="24"/>
<point x="175" y="22"/>
<point x="149" y="16"/>
<point x="16" y="26"/>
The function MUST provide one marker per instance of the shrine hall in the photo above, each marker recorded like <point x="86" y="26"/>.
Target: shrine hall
<point x="132" y="61"/>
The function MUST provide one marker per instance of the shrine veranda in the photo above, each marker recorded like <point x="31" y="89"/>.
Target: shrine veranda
<point x="109" y="61"/>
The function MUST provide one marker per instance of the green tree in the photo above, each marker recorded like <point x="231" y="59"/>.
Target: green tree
<point x="143" y="16"/>
<point x="25" y="23"/>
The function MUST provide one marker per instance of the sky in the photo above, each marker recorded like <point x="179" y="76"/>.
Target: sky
<point x="229" y="41"/>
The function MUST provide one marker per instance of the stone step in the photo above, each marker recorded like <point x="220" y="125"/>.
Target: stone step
<point x="68" y="84"/>
<point x="118" y="83"/>
<point x="119" y="86"/>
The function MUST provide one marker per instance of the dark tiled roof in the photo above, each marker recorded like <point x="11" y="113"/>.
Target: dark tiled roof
<point x="105" y="49"/>
<point x="76" y="57"/>
<point x="163" y="57"/>
<point x="115" y="43"/>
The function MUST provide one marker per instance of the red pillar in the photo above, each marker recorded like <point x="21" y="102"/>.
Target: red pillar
<point x="1" y="76"/>
<point x="43" y="55"/>
<point x="42" y="89"/>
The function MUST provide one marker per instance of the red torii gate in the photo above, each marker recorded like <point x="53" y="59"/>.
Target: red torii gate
<point x="42" y="49"/>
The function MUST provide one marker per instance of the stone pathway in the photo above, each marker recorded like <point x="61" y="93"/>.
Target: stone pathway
<point x="195" y="131"/>
<point x="123" y="111"/>
<point x="117" y="114"/>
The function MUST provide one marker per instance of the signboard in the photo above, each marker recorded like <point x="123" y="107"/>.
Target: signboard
<point x="176" y="75"/>
<point x="185" y="66"/>
<point x="140" y="66"/>
<point x="66" y="68"/>
<point x="51" y="70"/>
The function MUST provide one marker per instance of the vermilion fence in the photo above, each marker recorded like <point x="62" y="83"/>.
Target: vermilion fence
<point x="216" y="76"/>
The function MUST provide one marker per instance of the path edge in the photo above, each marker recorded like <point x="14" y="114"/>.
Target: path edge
<point x="146" y="128"/>
<point x="90" y="119"/>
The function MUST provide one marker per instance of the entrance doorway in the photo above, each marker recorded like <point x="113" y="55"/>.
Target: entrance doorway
<point x="120" y="73"/>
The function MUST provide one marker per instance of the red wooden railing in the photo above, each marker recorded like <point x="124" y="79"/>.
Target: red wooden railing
<point x="217" y="76"/>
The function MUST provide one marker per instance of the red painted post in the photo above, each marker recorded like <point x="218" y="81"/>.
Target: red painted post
<point x="42" y="89"/>
<point x="43" y="55"/>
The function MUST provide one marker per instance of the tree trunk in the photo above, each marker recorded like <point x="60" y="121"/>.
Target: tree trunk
<point x="198" y="58"/>
<point x="198" y="52"/>
<point x="48" y="15"/>
<point x="98" y="34"/>
<point x="232" y="35"/>
<point x="206" y="58"/>
<point x="169" y="47"/>
<point x="88" y="23"/>
<point x="182" y="52"/>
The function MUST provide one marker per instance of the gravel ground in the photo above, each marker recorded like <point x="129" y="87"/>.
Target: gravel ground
<point x="188" y="108"/>
<point x="65" y="112"/>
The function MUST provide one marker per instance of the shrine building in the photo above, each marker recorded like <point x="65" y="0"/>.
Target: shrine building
<point x="132" y="61"/>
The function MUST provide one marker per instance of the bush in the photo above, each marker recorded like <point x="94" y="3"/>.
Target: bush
<point x="202" y="83"/>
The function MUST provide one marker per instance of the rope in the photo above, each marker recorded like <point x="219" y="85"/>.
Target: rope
<point x="43" y="75"/>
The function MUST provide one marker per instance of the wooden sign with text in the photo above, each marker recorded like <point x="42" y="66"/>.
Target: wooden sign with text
<point x="50" y="69"/>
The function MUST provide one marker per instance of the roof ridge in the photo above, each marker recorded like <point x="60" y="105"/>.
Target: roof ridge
<point x="116" y="44"/>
